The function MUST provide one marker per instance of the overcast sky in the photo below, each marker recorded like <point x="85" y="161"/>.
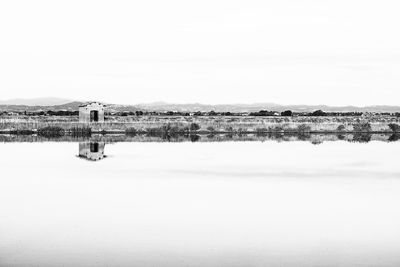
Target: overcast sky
<point x="335" y="52"/>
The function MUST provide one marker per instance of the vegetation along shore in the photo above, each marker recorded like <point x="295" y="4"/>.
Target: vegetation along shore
<point x="166" y="125"/>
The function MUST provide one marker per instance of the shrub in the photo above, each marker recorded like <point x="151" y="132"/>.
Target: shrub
<point x="394" y="127"/>
<point x="194" y="127"/>
<point x="155" y="131"/>
<point x="240" y="131"/>
<point x="287" y="113"/>
<point x="229" y="129"/>
<point x="167" y="130"/>
<point x="362" y="127"/>
<point x="277" y="128"/>
<point x="175" y="130"/>
<point x="318" y="113"/>
<point x="210" y="129"/>
<point x="341" y="128"/>
<point x="304" y="128"/>
<point x="185" y="130"/>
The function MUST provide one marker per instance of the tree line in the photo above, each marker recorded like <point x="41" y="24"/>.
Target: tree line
<point x="261" y="113"/>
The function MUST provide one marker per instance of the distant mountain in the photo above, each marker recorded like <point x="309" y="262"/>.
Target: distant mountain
<point x="43" y="101"/>
<point x="68" y="106"/>
<point x="162" y="106"/>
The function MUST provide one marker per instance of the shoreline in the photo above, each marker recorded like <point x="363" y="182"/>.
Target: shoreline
<point x="107" y="132"/>
<point x="205" y="138"/>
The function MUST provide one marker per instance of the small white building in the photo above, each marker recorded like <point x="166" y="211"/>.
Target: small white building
<point x="91" y="112"/>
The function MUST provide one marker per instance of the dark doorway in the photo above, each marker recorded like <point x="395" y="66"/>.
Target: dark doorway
<point x="94" y="147"/>
<point x="94" y="116"/>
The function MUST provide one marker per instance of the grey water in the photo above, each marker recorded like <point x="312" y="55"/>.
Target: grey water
<point x="245" y="203"/>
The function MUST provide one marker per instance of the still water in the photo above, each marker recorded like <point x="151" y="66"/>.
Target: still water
<point x="200" y="204"/>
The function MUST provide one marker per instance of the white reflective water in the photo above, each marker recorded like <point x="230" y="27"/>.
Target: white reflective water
<point x="201" y="204"/>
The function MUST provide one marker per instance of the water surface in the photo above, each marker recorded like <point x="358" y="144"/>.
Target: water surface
<point x="200" y="204"/>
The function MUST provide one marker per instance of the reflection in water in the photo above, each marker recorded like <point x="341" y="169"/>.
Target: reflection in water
<point x="194" y="137"/>
<point x="92" y="150"/>
<point x="362" y="138"/>
<point x="278" y="137"/>
<point x="203" y="204"/>
<point x="394" y="137"/>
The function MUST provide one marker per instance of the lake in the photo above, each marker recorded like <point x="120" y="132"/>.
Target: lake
<point x="200" y="203"/>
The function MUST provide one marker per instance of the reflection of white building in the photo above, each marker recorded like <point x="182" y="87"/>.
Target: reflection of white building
<point x="92" y="150"/>
<point x="91" y="112"/>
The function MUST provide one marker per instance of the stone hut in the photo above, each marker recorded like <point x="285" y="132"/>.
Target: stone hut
<point x="91" y="112"/>
<point x="92" y="150"/>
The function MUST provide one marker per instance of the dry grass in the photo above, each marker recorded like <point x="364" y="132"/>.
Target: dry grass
<point x="206" y="123"/>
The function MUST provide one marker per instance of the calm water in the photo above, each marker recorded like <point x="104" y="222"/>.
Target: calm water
<point x="200" y="204"/>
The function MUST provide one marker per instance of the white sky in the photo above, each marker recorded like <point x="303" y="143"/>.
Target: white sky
<point x="334" y="52"/>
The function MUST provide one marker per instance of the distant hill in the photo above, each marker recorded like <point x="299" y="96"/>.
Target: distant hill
<point x="162" y="106"/>
<point x="68" y="106"/>
<point x="44" y="101"/>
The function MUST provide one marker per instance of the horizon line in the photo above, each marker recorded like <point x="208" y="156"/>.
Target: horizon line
<point x="68" y="100"/>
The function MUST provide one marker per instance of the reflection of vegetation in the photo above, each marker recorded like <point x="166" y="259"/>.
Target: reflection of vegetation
<point x="210" y="136"/>
<point x="241" y="131"/>
<point x="261" y="131"/>
<point x="131" y="131"/>
<point x="54" y="131"/>
<point x="21" y="132"/>
<point x="81" y="131"/>
<point x="51" y="131"/>
<point x="394" y="137"/>
<point x="158" y="136"/>
<point x="316" y="142"/>
<point x="304" y="136"/>
<point x="194" y="137"/>
<point x="362" y="137"/>
<point x="229" y="135"/>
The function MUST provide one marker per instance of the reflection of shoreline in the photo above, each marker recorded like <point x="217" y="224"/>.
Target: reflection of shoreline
<point x="312" y="138"/>
<point x="93" y="151"/>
